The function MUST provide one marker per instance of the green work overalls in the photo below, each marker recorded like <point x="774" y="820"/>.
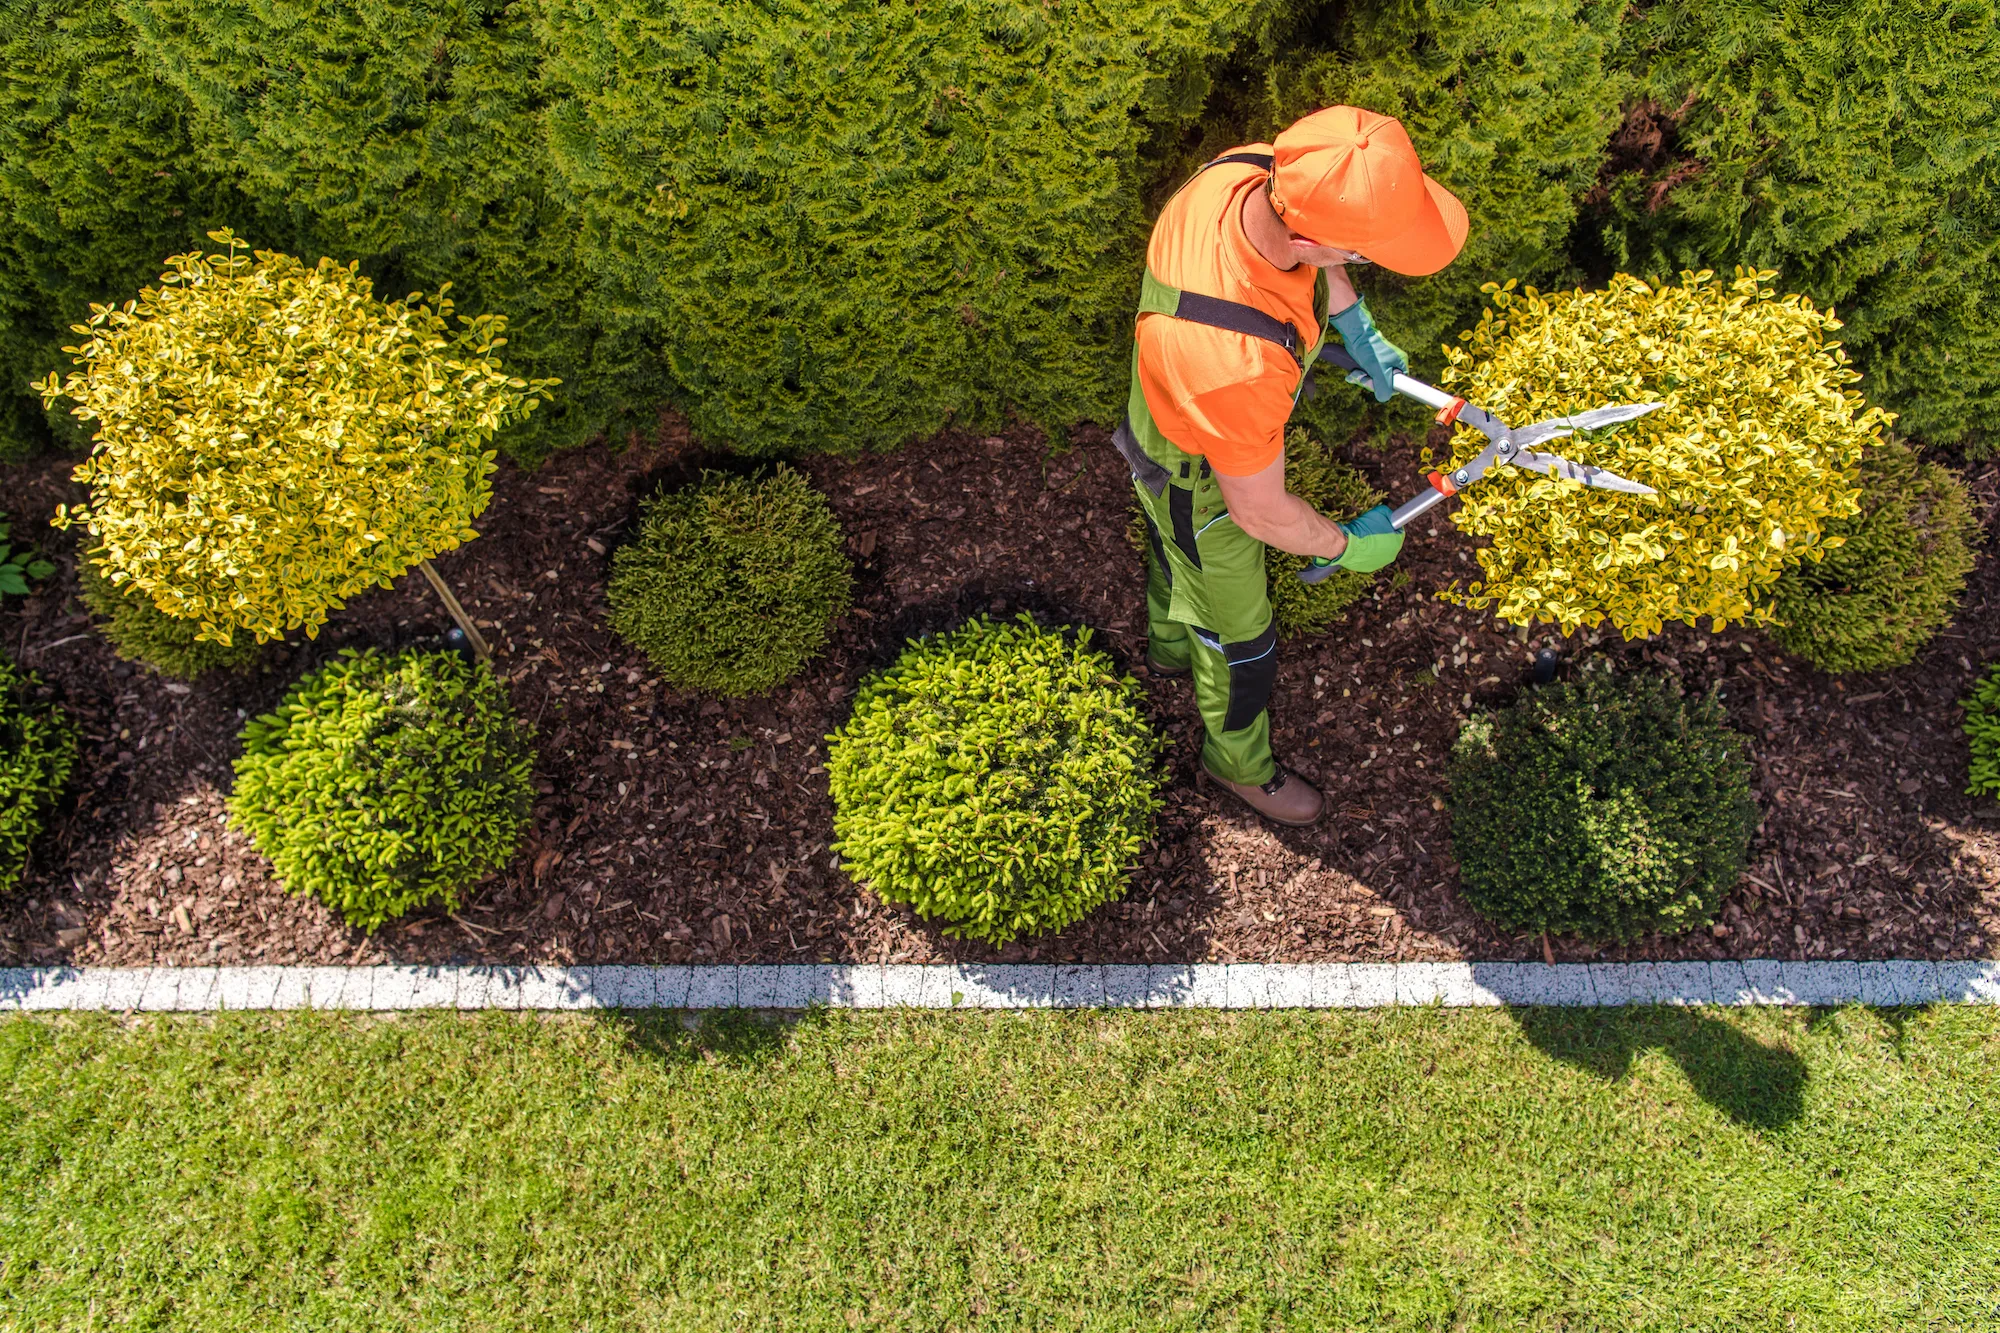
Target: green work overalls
<point x="1206" y="603"/>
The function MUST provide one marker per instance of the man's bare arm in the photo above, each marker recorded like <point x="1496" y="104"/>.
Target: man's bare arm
<point x="1264" y="509"/>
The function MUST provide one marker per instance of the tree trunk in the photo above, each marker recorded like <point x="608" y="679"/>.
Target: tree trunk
<point x="479" y="648"/>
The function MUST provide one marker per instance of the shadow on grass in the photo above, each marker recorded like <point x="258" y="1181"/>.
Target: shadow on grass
<point x="1753" y="1084"/>
<point x="737" y="1037"/>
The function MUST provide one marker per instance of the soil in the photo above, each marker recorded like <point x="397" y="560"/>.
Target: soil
<point x="1646" y="144"/>
<point x="673" y="828"/>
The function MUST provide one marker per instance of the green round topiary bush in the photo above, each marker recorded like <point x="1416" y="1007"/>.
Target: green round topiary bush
<point x="1607" y="807"/>
<point x="1338" y="491"/>
<point x="37" y="754"/>
<point x="1982" y="729"/>
<point x="732" y="584"/>
<point x="384" y="781"/>
<point x="1000" y="777"/>
<point x="1872" y="602"/>
<point x="141" y="632"/>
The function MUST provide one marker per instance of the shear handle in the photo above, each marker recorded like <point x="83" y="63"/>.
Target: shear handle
<point x="1415" y="507"/>
<point x="1403" y="384"/>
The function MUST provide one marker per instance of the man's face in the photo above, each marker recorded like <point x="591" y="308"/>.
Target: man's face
<point x="1323" y="256"/>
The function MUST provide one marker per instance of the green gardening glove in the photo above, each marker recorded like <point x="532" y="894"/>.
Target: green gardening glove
<point x="1379" y="358"/>
<point x="1372" y="542"/>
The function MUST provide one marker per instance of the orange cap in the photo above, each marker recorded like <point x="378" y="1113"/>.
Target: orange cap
<point x="1349" y="178"/>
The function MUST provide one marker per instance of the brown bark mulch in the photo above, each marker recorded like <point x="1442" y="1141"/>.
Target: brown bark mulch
<point x="672" y="828"/>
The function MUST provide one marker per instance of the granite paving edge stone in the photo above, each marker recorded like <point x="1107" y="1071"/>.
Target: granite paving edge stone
<point x="793" y="986"/>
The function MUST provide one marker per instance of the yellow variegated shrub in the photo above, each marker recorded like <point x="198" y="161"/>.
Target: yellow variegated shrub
<point x="1754" y="451"/>
<point x="272" y="439"/>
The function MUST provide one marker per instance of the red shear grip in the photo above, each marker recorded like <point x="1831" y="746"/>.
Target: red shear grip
<point x="1442" y="484"/>
<point x="1449" y="413"/>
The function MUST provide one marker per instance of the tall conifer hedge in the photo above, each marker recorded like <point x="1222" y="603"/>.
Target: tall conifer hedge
<point x="854" y="220"/>
<point x="822" y="224"/>
<point x="411" y="136"/>
<point x="98" y="183"/>
<point x="1855" y="148"/>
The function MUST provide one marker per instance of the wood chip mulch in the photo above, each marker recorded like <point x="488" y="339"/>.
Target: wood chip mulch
<point x="672" y="828"/>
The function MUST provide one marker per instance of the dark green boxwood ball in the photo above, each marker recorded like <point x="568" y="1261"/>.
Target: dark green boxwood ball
<point x="386" y="781"/>
<point x="1874" y="601"/>
<point x="1606" y="807"/>
<point x="1000" y="778"/>
<point x="38" y="745"/>
<point x="732" y="585"/>
<point x="141" y="632"/>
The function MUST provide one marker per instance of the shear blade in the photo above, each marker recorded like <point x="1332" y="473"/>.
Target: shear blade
<point x="1558" y="466"/>
<point x="1595" y="419"/>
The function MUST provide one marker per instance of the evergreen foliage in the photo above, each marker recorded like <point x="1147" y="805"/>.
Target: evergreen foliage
<point x="385" y="781"/>
<point x="1339" y="492"/>
<point x="1607" y="807"/>
<point x="1982" y="729"/>
<point x="272" y="439"/>
<point x="1872" y="602"/>
<point x="836" y="223"/>
<point x="1853" y="147"/>
<point x="411" y="136"/>
<point x="854" y="220"/>
<point x="38" y="747"/>
<point x="1000" y="777"/>
<point x="98" y="179"/>
<point x="1751" y="451"/>
<point x="732" y="584"/>
<point x="141" y="632"/>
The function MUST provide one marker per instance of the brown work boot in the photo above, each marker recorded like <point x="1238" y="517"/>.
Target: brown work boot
<point x="1165" y="672"/>
<point x="1286" y="799"/>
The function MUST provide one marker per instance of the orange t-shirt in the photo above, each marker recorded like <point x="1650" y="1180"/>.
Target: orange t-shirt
<point x="1223" y="395"/>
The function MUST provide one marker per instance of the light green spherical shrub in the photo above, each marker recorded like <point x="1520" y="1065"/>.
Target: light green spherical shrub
<point x="732" y="584"/>
<point x="37" y="754"/>
<point x="1874" y="601"/>
<point x="141" y="632"/>
<point x="1607" y="807"/>
<point x="386" y="781"/>
<point x="1982" y="729"/>
<point x="1000" y="778"/>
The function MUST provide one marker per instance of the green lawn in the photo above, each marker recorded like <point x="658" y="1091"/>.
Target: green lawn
<point x="1400" y="1169"/>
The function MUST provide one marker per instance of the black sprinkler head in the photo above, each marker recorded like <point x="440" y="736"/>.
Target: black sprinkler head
<point x="1546" y="662"/>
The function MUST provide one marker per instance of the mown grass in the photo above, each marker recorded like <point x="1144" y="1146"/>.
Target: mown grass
<point x="1389" y="1169"/>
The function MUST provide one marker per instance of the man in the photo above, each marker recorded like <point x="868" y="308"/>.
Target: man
<point x="1228" y="320"/>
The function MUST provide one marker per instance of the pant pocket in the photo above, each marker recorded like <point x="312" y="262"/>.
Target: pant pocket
<point x="1253" y="674"/>
<point x="1180" y="508"/>
<point x="1159" y="550"/>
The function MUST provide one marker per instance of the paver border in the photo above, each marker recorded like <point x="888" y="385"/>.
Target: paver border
<point x="998" y="986"/>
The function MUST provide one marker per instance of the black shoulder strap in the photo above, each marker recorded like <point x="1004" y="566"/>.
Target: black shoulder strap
<point x="1232" y="315"/>
<point x="1263" y="160"/>
<point x="1237" y="318"/>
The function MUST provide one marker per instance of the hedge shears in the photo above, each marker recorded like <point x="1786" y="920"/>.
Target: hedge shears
<point x="1504" y="443"/>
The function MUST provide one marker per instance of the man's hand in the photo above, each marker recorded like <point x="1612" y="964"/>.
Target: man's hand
<point x="1380" y="359"/>
<point x="1373" y="540"/>
<point x="1264" y="509"/>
